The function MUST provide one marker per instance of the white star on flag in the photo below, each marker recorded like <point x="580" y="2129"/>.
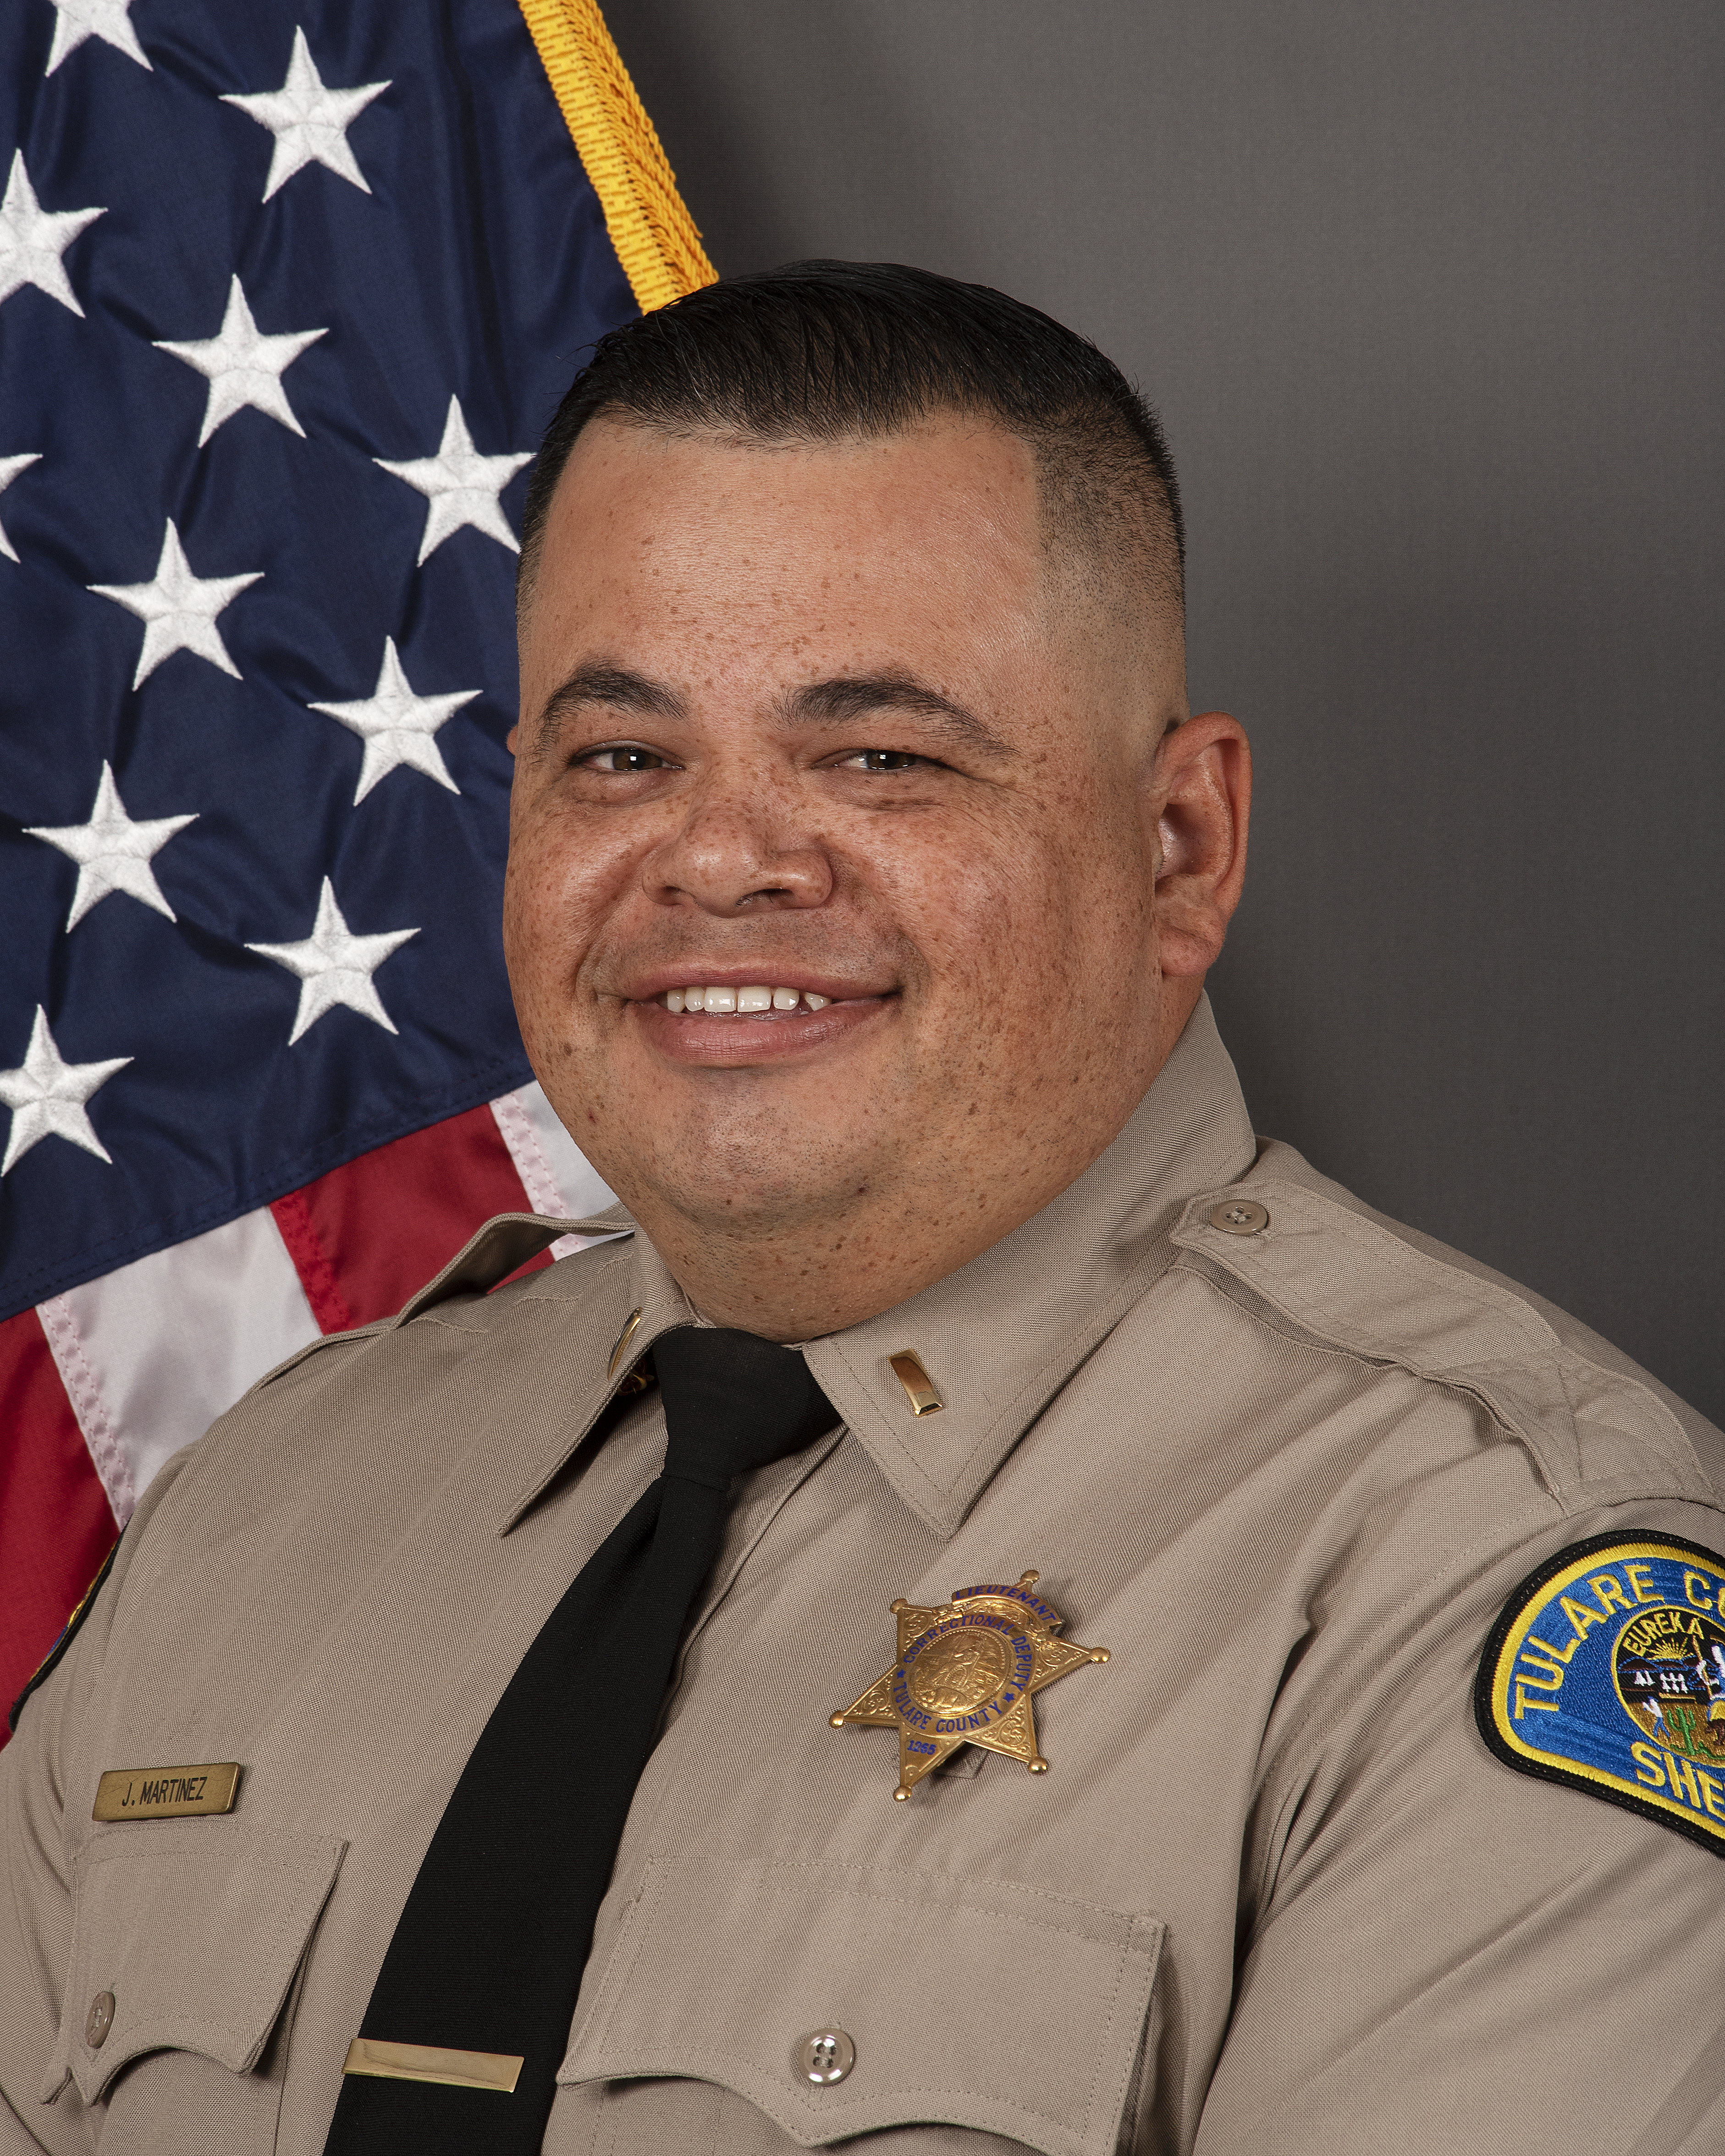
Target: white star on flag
<point x="335" y="966"/>
<point x="111" y="20"/>
<point x="112" y="852"/>
<point x="397" y="726"/>
<point x="460" y="487"/>
<point x="10" y="467"/>
<point x="244" y="366"/>
<point x="310" y="121"/>
<point x="177" y="609"/>
<point x="46" y="1095"/>
<point x="33" y="239"/>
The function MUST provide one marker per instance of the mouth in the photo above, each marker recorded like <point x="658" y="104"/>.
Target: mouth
<point x="751" y="1000"/>
<point x="727" y="1023"/>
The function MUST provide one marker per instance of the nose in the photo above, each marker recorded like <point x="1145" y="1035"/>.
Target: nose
<point x="738" y="850"/>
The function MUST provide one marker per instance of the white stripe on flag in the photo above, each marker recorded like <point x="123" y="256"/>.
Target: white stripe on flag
<point x="84" y="1392"/>
<point x="152" y="1353"/>
<point x="555" y="1172"/>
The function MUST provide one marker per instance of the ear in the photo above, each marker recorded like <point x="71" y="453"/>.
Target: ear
<point x="1201" y="788"/>
<point x="512" y="740"/>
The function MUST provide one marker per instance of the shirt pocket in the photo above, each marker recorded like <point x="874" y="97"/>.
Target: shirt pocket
<point x="977" y="2004"/>
<point x="191" y="1936"/>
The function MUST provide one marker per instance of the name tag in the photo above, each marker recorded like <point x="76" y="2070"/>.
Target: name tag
<point x="152" y="1793"/>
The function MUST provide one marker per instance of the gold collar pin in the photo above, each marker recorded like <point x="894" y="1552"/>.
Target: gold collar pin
<point x="628" y="1333"/>
<point x="919" y="1388"/>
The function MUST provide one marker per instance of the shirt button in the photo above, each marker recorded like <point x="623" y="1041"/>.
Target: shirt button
<point x="826" y="2057"/>
<point x="1239" y="1216"/>
<point x="99" y="2020"/>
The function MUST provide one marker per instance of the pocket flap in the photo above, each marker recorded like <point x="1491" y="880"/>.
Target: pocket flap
<point x="979" y="2003"/>
<point x="195" y="1932"/>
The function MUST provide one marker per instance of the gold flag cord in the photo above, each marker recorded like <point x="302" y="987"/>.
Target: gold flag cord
<point x="655" y="237"/>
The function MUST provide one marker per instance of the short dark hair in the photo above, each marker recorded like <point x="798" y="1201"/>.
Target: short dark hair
<point x="822" y="351"/>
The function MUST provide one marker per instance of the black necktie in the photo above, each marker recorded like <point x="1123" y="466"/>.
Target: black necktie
<point x="488" y="1953"/>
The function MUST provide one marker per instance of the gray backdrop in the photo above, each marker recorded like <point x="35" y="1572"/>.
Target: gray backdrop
<point x="1429" y="297"/>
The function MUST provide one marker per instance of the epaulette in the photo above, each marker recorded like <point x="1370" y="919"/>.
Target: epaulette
<point x="1595" y="1433"/>
<point x="500" y="1248"/>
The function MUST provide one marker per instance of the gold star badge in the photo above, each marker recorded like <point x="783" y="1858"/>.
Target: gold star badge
<point x="965" y="1673"/>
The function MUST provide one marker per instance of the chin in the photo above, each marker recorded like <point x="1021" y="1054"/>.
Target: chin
<point x="750" y="1180"/>
<point x="739" y="1148"/>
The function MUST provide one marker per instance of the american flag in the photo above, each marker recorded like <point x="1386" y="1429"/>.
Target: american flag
<point x="288" y="292"/>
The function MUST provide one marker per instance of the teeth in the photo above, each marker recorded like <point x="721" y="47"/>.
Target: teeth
<point x="743" y="1002"/>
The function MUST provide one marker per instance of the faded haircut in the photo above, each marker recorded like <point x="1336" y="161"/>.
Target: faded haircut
<point x="831" y="352"/>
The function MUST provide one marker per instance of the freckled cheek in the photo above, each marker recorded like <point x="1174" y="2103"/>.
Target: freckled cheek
<point x="563" y="883"/>
<point x="969" y="910"/>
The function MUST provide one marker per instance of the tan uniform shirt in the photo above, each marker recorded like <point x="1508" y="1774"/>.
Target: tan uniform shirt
<point x="1274" y="1894"/>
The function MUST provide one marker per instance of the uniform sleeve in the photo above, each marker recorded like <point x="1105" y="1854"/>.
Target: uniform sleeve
<point x="36" y="1887"/>
<point x="1443" y="1953"/>
<point x="36" y="1938"/>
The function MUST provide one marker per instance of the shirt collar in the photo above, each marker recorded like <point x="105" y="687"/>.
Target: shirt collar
<point x="999" y="1337"/>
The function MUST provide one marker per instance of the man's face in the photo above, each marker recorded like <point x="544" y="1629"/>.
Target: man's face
<point x="820" y="722"/>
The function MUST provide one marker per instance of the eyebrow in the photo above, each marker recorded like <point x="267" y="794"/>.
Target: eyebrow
<point x="599" y="682"/>
<point x="833" y="702"/>
<point x="856" y="697"/>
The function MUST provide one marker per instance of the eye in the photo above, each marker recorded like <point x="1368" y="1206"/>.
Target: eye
<point x="885" y="759"/>
<point x="624" y="755"/>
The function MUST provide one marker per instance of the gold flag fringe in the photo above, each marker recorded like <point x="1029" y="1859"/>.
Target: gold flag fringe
<point x="655" y="237"/>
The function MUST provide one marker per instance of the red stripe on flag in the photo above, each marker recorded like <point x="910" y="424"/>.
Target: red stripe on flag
<point x="55" y="1523"/>
<point x="329" y="1305"/>
<point x="367" y="1236"/>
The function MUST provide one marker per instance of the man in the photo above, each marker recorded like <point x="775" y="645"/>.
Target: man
<point x="865" y="867"/>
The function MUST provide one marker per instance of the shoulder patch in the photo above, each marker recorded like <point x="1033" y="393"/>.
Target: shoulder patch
<point x="1607" y="1671"/>
<point x="51" y="1660"/>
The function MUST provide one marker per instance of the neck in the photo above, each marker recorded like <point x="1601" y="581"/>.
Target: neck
<point x="795" y="1284"/>
<point x="795" y="1274"/>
